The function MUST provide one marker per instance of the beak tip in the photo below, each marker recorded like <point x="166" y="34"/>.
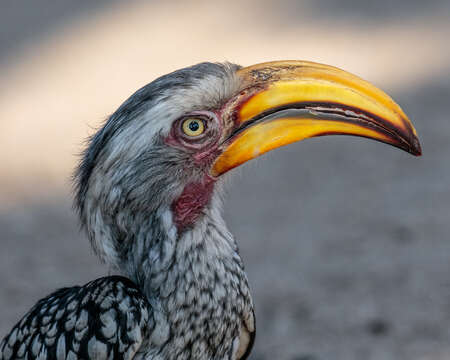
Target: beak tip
<point x="415" y="148"/>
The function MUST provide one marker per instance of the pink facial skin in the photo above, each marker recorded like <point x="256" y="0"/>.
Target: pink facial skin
<point x="189" y="206"/>
<point x="204" y="149"/>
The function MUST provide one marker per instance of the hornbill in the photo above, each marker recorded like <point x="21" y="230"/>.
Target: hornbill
<point x="148" y="192"/>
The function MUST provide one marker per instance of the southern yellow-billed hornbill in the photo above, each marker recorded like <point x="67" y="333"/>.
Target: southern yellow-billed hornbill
<point x="148" y="194"/>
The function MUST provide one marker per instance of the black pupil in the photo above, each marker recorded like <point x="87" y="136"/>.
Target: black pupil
<point x="194" y="126"/>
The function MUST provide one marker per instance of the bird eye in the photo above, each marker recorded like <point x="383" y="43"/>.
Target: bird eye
<point x="193" y="127"/>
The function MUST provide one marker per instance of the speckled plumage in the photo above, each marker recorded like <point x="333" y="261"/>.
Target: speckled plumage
<point x="187" y="288"/>
<point x="108" y="318"/>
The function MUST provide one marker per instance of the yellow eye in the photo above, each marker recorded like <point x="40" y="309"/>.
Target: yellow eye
<point x="193" y="127"/>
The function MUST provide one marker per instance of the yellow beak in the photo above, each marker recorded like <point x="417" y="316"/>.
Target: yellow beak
<point x="287" y="101"/>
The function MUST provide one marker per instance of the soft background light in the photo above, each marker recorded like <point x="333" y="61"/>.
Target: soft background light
<point x="346" y="241"/>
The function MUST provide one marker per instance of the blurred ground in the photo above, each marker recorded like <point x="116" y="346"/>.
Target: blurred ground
<point x="345" y="241"/>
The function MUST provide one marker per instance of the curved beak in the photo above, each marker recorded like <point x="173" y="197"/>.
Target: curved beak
<point x="287" y="101"/>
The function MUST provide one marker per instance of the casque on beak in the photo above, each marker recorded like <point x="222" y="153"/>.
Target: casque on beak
<point x="287" y="101"/>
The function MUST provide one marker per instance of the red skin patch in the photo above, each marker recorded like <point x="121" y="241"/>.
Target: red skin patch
<point x="195" y="196"/>
<point x="187" y="208"/>
<point x="189" y="205"/>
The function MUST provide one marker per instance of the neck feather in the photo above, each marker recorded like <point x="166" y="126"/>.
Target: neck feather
<point x="164" y="253"/>
<point x="193" y="280"/>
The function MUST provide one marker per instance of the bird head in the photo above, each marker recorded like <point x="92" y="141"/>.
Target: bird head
<point x="161" y="156"/>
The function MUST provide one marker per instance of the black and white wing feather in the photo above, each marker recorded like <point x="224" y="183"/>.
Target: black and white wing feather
<point x="108" y="318"/>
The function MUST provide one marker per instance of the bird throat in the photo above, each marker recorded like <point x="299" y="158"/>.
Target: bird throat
<point x="190" y="204"/>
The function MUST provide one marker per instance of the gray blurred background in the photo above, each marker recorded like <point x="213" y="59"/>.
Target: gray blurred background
<point x="345" y="240"/>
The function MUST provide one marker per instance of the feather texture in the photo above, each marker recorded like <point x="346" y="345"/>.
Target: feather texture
<point x="108" y="318"/>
